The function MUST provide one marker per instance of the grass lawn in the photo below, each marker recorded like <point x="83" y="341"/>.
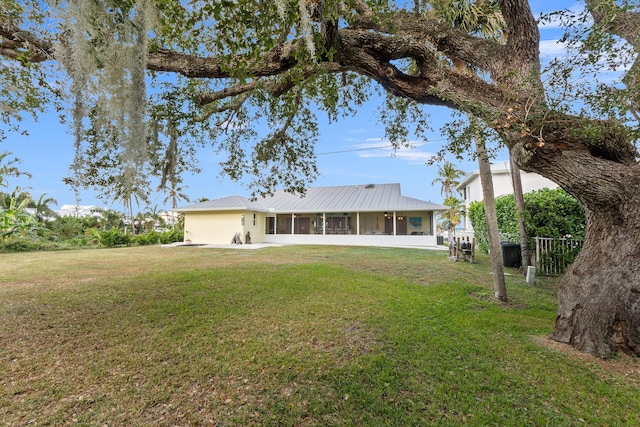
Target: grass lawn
<point x="293" y="336"/>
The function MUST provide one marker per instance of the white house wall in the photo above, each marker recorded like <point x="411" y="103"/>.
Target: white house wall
<point x="502" y="185"/>
<point x="256" y="228"/>
<point x="219" y="227"/>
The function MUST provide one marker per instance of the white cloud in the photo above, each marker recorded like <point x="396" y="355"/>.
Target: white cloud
<point x="383" y="143"/>
<point x="334" y="176"/>
<point x="381" y="148"/>
<point x="552" y="48"/>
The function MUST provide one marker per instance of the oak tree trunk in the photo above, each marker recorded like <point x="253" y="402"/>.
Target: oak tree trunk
<point x="599" y="294"/>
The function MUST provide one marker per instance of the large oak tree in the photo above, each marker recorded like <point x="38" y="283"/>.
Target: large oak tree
<point x="233" y="61"/>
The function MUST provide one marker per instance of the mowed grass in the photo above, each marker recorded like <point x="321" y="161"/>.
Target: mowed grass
<point x="295" y="336"/>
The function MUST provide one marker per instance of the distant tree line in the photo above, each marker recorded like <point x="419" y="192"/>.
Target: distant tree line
<point x="28" y="223"/>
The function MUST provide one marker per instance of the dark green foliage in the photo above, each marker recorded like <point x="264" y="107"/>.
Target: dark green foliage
<point x="140" y="240"/>
<point x="479" y="224"/>
<point x="91" y="238"/>
<point x="151" y="238"/>
<point x="174" y="235"/>
<point x="553" y="213"/>
<point x="21" y="245"/>
<point x="549" y="213"/>
<point x="116" y="237"/>
<point x="112" y="238"/>
<point x="35" y="232"/>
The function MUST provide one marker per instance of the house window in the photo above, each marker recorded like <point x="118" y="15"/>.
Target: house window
<point x="254" y="219"/>
<point x="270" y="225"/>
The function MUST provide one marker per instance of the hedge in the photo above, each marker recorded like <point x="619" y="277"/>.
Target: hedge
<point x="548" y="213"/>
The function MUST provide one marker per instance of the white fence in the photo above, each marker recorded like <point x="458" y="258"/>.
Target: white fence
<point x="553" y="256"/>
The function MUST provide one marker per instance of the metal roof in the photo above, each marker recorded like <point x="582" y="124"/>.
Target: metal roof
<point x="347" y="198"/>
<point x="230" y="203"/>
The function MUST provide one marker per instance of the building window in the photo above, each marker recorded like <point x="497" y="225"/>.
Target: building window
<point x="270" y="225"/>
<point x="255" y="221"/>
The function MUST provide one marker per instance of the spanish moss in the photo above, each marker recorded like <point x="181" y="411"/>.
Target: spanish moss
<point x="103" y="50"/>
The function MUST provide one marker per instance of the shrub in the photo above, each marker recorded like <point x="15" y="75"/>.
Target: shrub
<point x="29" y="245"/>
<point x="113" y="237"/>
<point x="20" y="245"/>
<point x="140" y="239"/>
<point x="78" y="242"/>
<point x="479" y="224"/>
<point x="175" y="235"/>
<point x="553" y="213"/>
<point x="548" y="213"/>
<point x="153" y="237"/>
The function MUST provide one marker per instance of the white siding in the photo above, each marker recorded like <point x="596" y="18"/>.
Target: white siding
<point x="502" y="185"/>
<point x="218" y="228"/>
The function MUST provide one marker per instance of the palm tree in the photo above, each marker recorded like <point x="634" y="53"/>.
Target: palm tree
<point x="482" y="17"/>
<point x="448" y="178"/>
<point x="449" y="219"/>
<point x="153" y="218"/>
<point x="174" y="193"/>
<point x="9" y="168"/>
<point x="42" y="209"/>
<point x="111" y="219"/>
<point x="136" y="194"/>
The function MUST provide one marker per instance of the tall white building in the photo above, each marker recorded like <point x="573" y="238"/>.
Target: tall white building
<point x="471" y="189"/>
<point x="80" y="211"/>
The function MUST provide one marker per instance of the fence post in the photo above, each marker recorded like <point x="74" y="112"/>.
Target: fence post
<point x="531" y="275"/>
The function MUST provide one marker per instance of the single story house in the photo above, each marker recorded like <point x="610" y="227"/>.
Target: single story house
<point x="471" y="188"/>
<point x="364" y="215"/>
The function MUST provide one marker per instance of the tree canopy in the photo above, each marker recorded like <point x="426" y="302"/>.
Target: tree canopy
<point x="233" y="64"/>
<point x="216" y="68"/>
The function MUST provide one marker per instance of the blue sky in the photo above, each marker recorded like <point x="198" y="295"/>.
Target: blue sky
<point x="349" y="151"/>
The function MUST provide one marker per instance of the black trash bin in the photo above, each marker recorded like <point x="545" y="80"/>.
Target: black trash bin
<point x="511" y="254"/>
<point x="440" y="240"/>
